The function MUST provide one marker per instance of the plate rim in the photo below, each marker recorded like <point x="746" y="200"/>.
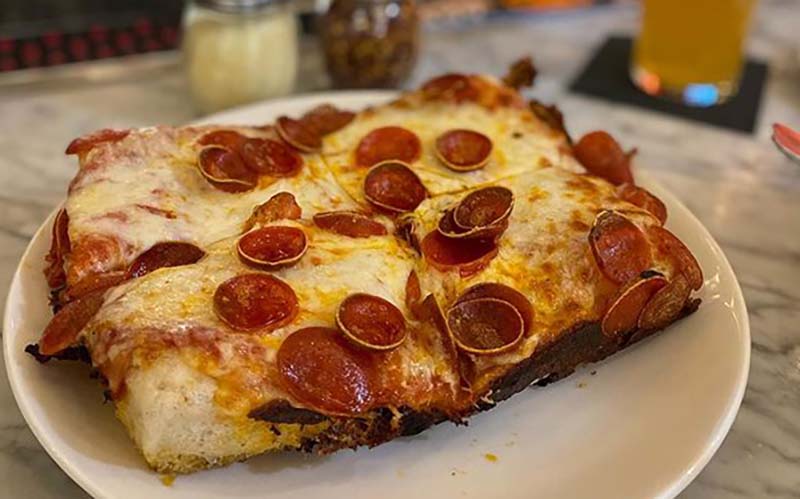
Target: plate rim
<point x="370" y="97"/>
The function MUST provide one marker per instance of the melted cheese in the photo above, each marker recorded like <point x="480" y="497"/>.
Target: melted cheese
<point x="520" y="143"/>
<point x="544" y="253"/>
<point x="177" y="302"/>
<point x="127" y="187"/>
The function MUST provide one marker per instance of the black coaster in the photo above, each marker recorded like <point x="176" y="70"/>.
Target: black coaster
<point x="606" y="76"/>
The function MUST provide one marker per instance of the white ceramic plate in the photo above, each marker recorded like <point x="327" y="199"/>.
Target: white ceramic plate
<point x="642" y="426"/>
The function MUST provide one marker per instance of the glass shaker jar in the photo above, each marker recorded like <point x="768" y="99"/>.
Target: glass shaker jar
<point x="239" y="51"/>
<point x="370" y="43"/>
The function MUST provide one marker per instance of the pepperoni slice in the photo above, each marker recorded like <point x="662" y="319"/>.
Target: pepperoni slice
<point x="318" y="368"/>
<point x="298" y="135"/>
<point x="601" y="155"/>
<point x="452" y="86"/>
<point x="448" y="228"/>
<point x="469" y="256"/>
<point x="484" y="207"/>
<point x="394" y="186"/>
<point x="225" y="170"/>
<point x="463" y="150"/>
<point x="349" y="223"/>
<point x="682" y="258"/>
<point x="431" y="312"/>
<point x="255" y="301"/>
<point x="413" y="294"/>
<point x="166" y="254"/>
<point x="84" y="144"/>
<point x="228" y="139"/>
<point x="270" y="157"/>
<point x="59" y="248"/>
<point x="371" y="322"/>
<point x="666" y="305"/>
<point x="281" y="206"/>
<point x="388" y="143"/>
<point x="95" y="282"/>
<point x="66" y="325"/>
<point x="619" y="247"/>
<point x="272" y="246"/>
<point x="643" y="199"/>
<point x="485" y="326"/>
<point x="326" y="118"/>
<point x="503" y="293"/>
<point x="623" y="315"/>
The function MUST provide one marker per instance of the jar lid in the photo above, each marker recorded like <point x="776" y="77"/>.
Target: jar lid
<point x="239" y="6"/>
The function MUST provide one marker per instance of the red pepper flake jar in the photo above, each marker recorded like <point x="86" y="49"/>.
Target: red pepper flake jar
<point x="370" y="43"/>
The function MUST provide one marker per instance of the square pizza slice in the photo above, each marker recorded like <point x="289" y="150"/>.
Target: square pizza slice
<point x="340" y="279"/>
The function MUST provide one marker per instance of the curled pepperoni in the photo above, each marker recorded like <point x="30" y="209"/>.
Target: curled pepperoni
<point x="225" y="170"/>
<point x="94" y="282"/>
<point x="84" y="144"/>
<point x="394" y="186"/>
<point x="413" y="294"/>
<point x="298" y="135"/>
<point x="448" y="228"/>
<point x="371" y="322"/>
<point x="452" y="86"/>
<point x="623" y="315"/>
<point x="666" y="305"/>
<point x="59" y="248"/>
<point x="469" y="256"/>
<point x="619" y="247"/>
<point x="601" y="155"/>
<point x="431" y="312"/>
<point x="643" y="199"/>
<point x="281" y="206"/>
<point x="484" y="207"/>
<point x="503" y="293"/>
<point x="64" y="328"/>
<point x="228" y="139"/>
<point x="388" y="143"/>
<point x="485" y="325"/>
<point x="270" y="157"/>
<point x="318" y="368"/>
<point x="349" y="223"/>
<point x="463" y="150"/>
<point x="683" y="259"/>
<point x="272" y="246"/>
<point x="326" y="118"/>
<point x="255" y="301"/>
<point x="166" y="254"/>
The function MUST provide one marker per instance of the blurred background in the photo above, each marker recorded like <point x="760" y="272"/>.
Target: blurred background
<point x="695" y="85"/>
<point x="236" y="51"/>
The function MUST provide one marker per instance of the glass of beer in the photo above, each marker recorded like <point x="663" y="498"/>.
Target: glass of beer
<point x="691" y="50"/>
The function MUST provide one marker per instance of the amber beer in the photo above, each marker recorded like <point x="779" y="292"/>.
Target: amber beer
<point x="691" y="50"/>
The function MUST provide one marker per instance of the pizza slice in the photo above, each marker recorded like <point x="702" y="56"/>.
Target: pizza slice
<point x="241" y="352"/>
<point x="587" y="271"/>
<point x="298" y="296"/>
<point x="455" y="132"/>
<point x="137" y="189"/>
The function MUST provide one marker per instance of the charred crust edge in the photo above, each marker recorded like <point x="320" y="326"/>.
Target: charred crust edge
<point x="582" y="344"/>
<point x="281" y="411"/>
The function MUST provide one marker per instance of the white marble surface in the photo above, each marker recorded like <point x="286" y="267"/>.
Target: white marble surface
<point x="741" y="188"/>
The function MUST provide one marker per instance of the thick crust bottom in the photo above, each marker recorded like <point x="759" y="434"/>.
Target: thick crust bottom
<point x="170" y="414"/>
<point x="582" y="345"/>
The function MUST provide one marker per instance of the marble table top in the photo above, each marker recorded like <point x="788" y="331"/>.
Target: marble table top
<point x="744" y="191"/>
